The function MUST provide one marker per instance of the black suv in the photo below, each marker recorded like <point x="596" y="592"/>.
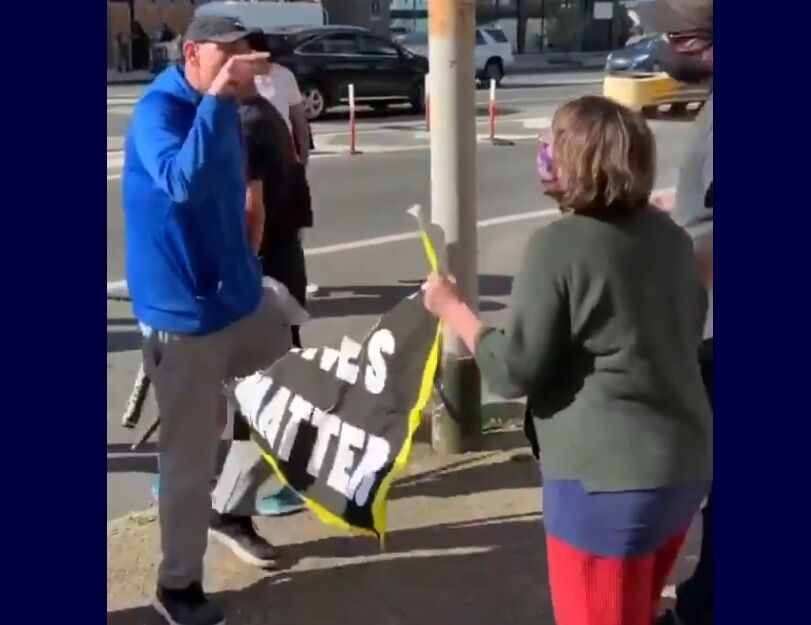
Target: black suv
<point x="327" y="59"/>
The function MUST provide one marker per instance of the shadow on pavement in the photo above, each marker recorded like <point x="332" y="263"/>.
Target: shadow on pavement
<point x="348" y="301"/>
<point x="335" y="301"/>
<point x="480" y="573"/>
<point x="520" y="471"/>
<point x="122" y="341"/>
<point x="121" y="321"/>
<point x="120" y="459"/>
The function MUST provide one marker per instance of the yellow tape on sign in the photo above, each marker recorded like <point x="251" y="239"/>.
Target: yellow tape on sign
<point x="426" y="388"/>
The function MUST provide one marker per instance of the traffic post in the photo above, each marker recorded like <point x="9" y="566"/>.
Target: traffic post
<point x="427" y="104"/>
<point x="492" y="115"/>
<point x="353" y="122"/>
<point x="456" y="427"/>
<point x="491" y="110"/>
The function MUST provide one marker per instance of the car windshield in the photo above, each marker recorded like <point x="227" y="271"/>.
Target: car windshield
<point x="497" y="35"/>
<point x="280" y="43"/>
<point x="414" y="39"/>
<point x="647" y="41"/>
<point x="294" y="39"/>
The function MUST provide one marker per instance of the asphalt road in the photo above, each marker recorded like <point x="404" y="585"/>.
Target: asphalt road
<point x="394" y="163"/>
<point x="360" y="251"/>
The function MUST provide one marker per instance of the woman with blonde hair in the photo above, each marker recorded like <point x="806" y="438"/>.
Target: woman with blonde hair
<point x="606" y="316"/>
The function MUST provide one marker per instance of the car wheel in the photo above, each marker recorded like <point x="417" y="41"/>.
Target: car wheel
<point x="494" y="70"/>
<point x="315" y="101"/>
<point x="678" y="108"/>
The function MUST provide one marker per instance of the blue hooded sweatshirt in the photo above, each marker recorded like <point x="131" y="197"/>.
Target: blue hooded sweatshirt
<point x="190" y="269"/>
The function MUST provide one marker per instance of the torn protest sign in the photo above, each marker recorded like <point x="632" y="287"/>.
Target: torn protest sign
<point x="337" y="424"/>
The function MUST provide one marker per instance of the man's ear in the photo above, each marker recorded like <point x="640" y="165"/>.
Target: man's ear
<point x="189" y="52"/>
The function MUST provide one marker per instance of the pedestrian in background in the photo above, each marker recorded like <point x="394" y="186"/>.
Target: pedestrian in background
<point x="122" y="40"/>
<point x="689" y="58"/>
<point x="140" y="47"/>
<point x="196" y="291"/>
<point x="277" y="213"/>
<point x="279" y="86"/>
<point x="606" y="315"/>
<point x="272" y="159"/>
<point x="276" y="149"/>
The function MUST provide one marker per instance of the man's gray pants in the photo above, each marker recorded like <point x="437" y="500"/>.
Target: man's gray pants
<point x="188" y="373"/>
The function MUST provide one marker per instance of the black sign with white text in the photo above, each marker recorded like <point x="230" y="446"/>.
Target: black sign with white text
<point x="336" y="424"/>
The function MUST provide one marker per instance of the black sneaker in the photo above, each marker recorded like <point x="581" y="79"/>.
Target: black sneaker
<point x="187" y="606"/>
<point x="240" y="536"/>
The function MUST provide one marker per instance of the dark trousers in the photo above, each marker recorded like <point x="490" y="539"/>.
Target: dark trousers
<point x="694" y="596"/>
<point x="282" y="260"/>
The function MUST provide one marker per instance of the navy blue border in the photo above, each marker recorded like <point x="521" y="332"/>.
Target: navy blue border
<point x="52" y="112"/>
<point x="54" y="229"/>
<point x="762" y="330"/>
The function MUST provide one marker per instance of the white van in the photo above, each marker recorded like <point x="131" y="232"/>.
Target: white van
<point x="267" y="16"/>
<point x="493" y="53"/>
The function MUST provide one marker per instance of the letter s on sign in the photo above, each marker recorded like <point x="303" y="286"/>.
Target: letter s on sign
<point x="381" y="342"/>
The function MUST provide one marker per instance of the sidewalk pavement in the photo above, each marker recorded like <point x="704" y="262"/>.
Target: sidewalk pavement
<point x="531" y="63"/>
<point x="465" y="545"/>
<point x="128" y="78"/>
<point x="552" y="62"/>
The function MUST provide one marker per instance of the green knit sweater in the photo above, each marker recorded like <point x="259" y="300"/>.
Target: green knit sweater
<point x="604" y="327"/>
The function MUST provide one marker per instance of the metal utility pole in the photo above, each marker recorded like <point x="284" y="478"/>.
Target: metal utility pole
<point x="451" y="38"/>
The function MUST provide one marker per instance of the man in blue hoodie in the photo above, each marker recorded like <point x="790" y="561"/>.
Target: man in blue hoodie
<point x="196" y="291"/>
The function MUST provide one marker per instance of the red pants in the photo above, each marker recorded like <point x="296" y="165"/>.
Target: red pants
<point x="593" y="590"/>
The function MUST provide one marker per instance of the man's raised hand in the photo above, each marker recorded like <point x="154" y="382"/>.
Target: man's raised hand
<point x="238" y="69"/>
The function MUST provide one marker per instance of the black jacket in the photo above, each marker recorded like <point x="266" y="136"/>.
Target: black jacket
<point x="271" y="158"/>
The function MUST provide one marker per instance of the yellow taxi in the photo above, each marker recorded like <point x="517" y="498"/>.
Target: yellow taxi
<point x="647" y="93"/>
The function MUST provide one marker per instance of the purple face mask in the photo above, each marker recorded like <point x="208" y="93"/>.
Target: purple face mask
<point x="545" y="171"/>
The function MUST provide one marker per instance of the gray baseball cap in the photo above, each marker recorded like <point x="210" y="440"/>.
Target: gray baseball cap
<point x="676" y="16"/>
<point x="215" y="29"/>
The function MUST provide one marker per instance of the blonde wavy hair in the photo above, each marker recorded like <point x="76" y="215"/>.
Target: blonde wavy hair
<point x="604" y="156"/>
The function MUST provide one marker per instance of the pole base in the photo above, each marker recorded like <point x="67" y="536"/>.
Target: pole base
<point x="501" y="142"/>
<point x="456" y="426"/>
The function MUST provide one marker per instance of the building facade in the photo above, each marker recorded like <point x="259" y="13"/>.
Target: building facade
<point x="535" y="25"/>
<point x="531" y="25"/>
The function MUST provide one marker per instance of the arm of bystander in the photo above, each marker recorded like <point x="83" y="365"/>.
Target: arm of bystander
<point x="298" y="119"/>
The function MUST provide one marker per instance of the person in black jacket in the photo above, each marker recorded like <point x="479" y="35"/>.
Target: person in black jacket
<point x="279" y="200"/>
<point x="271" y="157"/>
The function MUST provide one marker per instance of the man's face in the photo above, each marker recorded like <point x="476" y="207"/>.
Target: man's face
<point x="207" y="58"/>
<point x="689" y="56"/>
<point x="696" y="43"/>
